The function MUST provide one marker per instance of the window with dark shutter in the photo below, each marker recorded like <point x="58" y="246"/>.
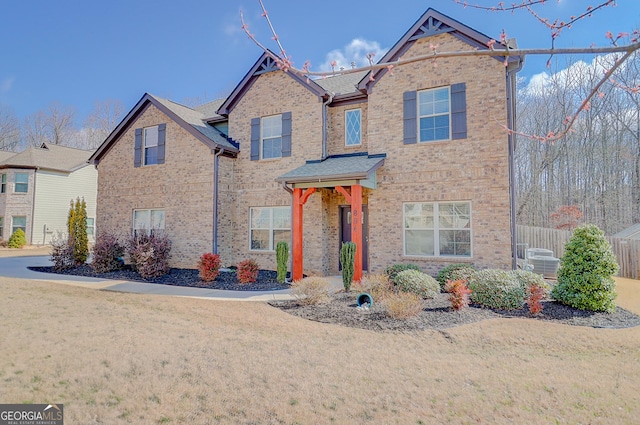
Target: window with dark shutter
<point x="137" y="156"/>
<point x="162" y="131"/>
<point x="255" y="139"/>
<point x="286" y="134"/>
<point x="458" y="111"/>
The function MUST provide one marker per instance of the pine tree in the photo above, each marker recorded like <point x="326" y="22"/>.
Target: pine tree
<point x="81" y="247"/>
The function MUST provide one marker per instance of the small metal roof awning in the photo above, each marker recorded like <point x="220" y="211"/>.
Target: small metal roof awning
<point x="336" y="170"/>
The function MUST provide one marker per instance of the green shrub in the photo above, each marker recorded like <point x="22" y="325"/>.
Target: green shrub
<point x="282" y="258"/>
<point x="17" y="239"/>
<point x="528" y="279"/>
<point x="347" y="256"/>
<point x="247" y="271"/>
<point x="586" y="269"/>
<point x="393" y="270"/>
<point x="106" y="253"/>
<point x="455" y="272"/>
<point x="311" y="290"/>
<point x="418" y="283"/>
<point x="149" y="254"/>
<point x="497" y="289"/>
<point x="209" y="267"/>
<point x="403" y="305"/>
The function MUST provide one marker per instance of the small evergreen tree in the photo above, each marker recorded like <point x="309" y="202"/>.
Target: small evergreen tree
<point x="347" y="256"/>
<point x="81" y="247"/>
<point x="17" y="239"/>
<point x="586" y="269"/>
<point x="71" y="224"/>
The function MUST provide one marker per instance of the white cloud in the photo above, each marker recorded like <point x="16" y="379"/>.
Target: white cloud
<point x="7" y="84"/>
<point x="356" y="51"/>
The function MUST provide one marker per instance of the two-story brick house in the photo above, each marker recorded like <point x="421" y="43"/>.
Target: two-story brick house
<point x="409" y="163"/>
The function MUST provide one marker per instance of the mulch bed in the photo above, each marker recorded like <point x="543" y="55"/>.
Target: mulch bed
<point x="343" y="310"/>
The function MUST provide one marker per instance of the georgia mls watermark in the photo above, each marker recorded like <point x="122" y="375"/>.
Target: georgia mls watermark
<point x="31" y="414"/>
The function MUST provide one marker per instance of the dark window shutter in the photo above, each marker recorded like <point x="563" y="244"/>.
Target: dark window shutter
<point x="162" y="131"/>
<point x="459" y="111"/>
<point x="255" y="139"/>
<point x="410" y="116"/>
<point x="286" y="134"/>
<point x="137" y="153"/>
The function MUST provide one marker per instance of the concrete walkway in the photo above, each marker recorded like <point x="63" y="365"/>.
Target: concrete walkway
<point x="16" y="267"/>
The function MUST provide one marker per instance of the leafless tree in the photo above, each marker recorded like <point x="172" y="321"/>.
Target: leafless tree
<point x="54" y="126"/>
<point x="9" y="130"/>
<point x="101" y="122"/>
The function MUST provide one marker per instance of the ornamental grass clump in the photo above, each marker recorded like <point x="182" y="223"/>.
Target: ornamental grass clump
<point x="497" y="289"/>
<point x="107" y="253"/>
<point x="418" y="283"/>
<point x="377" y="285"/>
<point x="585" y="277"/>
<point x="403" y="305"/>
<point x="247" y="271"/>
<point x="209" y="267"/>
<point x="455" y="272"/>
<point x="311" y="290"/>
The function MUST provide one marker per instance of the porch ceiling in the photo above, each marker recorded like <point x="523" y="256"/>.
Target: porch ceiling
<point x="335" y="170"/>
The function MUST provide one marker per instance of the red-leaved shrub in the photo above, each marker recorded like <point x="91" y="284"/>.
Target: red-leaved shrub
<point x="247" y="271"/>
<point x="536" y="294"/>
<point x="458" y="293"/>
<point x="209" y="267"/>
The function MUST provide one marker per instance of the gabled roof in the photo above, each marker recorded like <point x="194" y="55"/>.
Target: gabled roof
<point x="433" y="23"/>
<point x="263" y="65"/>
<point x="6" y="155"/>
<point x="209" y="110"/>
<point x="632" y="232"/>
<point x="336" y="167"/>
<point x="191" y="120"/>
<point x="49" y="157"/>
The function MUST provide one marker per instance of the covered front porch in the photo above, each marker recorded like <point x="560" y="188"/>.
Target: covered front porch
<point x="347" y="175"/>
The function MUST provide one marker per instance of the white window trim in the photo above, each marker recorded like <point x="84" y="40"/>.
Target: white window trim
<point x="436" y="230"/>
<point x="144" y="144"/>
<point x="272" y="245"/>
<point x="16" y="183"/>
<point x="346" y="128"/>
<point x="262" y="138"/>
<point x="3" y="183"/>
<point x="133" y="219"/>
<point x="13" y="227"/>
<point x="419" y="116"/>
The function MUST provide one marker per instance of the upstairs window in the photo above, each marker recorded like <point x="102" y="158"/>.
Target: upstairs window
<point x="149" y="148"/>
<point x="271" y="137"/>
<point x="3" y="183"/>
<point x="353" y="124"/>
<point x="21" y="183"/>
<point x="434" y="113"/>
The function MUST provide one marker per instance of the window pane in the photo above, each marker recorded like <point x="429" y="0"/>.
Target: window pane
<point x="22" y="183"/>
<point x="1" y="227"/>
<point x="151" y="136"/>
<point x="352" y="125"/>
<point x="151" y="155"/>
<point x="272" y="148"/>
<point x="19" y="222"/>
<point x="418" y="242"/>
<point x="434" y="111"/>
<point x="260" y="218"/>
<point x="141" y="219"/>
<point x="455" y="242"/>
<point x="272" y="126"/>
<point x="418" y="216"/>
<point x="3" y="183"/>
<point x="282" y="218"/>
<point x="90" y="226"/>
<point x="157" y="219"/>
<point x="454" y="216"/>
<point x="260" y="239"/>
<point x="281" y="236"/>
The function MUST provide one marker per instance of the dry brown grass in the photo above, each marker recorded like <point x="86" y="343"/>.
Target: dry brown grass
<point x="116" y="358"/>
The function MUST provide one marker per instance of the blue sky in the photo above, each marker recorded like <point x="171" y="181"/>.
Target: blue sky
<point x="76" y="52"/>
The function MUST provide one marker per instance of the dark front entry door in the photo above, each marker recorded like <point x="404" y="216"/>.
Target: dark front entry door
<point x="345" y="232"/>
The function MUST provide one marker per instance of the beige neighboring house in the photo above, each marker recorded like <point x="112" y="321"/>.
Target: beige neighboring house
<point x="412" y="165"/>
<point x="37" y="186"/>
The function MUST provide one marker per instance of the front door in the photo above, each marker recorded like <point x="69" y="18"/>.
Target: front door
<point x="345" y="232"/>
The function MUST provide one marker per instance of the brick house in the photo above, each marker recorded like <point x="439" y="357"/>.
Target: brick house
<point x="409" y="164"/>
<point x="36" y="187"/>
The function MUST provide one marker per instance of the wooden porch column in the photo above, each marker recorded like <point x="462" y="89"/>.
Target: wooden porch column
<point x="356" y="229"/>
<point x="299" y="199"/>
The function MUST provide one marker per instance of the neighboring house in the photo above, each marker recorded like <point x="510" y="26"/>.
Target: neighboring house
<point x="412" y="165"/>
<point x="37" y="186"/>
<point x="632" y="232"/>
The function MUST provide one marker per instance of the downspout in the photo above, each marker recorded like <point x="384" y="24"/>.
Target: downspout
<point x="33" y="206"/>
<point x="325" y="105"/>
<point x="511" y="125"/>
<point x="216" y="166"/>
<point x="288" y="189"/>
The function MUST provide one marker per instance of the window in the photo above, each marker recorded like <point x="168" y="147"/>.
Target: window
<point x="352" y="124"/>
<point x="90" y="227"/>
<point x="22" y="183"/>
<point x="19" y="222"/>
<point x="434" y="113"/>
<point x="1" y="227"/>
<point x="271" y="137"/>
<point x="151" y="145"/>
<point x="3" y="183"/>
<point x="437" y="229"/>
<point x="269" y="225"/>
<point x="147" y="220"/>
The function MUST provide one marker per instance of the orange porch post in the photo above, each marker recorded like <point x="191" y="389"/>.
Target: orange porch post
<point x="356" y="229"/>
<point x="299" y="199"/>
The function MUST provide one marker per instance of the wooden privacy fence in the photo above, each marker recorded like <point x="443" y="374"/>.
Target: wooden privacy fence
<point x="627" y="251"/>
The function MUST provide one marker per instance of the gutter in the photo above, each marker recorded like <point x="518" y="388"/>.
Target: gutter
<point x="324" y="124"/>
<point x="216" y="167"/>
<point x="511" y="124"/>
